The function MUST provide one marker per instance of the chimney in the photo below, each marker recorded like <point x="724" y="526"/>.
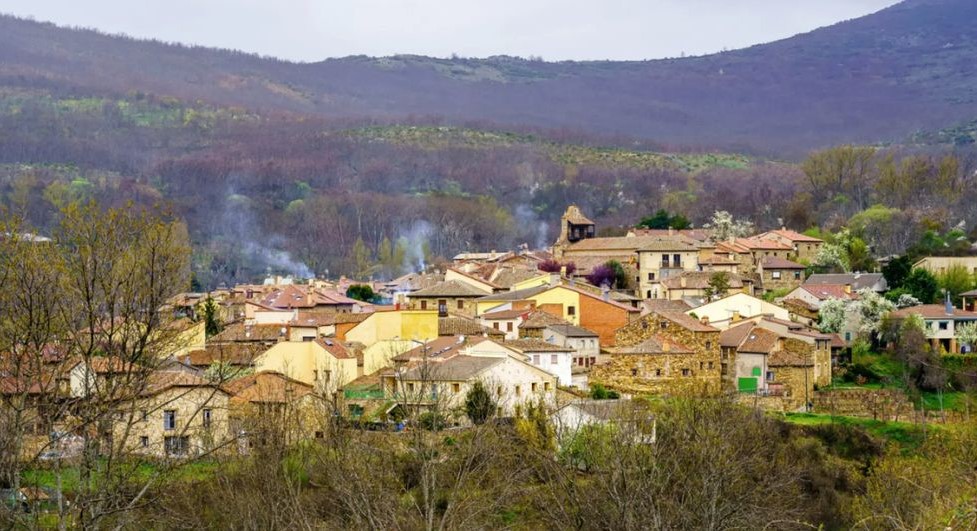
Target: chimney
<point x="704" y="320"/>
<point x="848" y="289"/>
<point x="949" y="304"/>
<point x="605" y="293"/>
<point x="563" y="271"/>
<point x="671" y="231"/>
<point x="665" y="346"/>
<point x="310" y="296"/>
<point x="736" y="317"/>
<point x="682" y="281"/>
<point x="554" y="279"/>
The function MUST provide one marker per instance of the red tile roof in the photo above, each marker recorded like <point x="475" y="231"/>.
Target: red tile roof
<point x="829" y="291"/>
<point x="793" y="236"/>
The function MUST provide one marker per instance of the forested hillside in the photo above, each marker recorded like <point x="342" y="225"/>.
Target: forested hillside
<point x="309" y="168"/>
<point x="878" y="78"/>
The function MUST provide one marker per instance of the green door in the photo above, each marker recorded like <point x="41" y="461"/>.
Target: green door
<point x="747" y="385"/>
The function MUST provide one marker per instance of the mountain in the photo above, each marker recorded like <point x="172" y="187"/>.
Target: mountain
<point x="880" y="78"/>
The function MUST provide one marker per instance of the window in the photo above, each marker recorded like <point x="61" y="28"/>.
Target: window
<point x="686" y="372"/>
<point x="944" y="325"/>
<point x="554" y="359"/>
<point x="847" y="336"/>
<point x="664" y="260"/>
<point x="144" y="441"/>
<point x="535" y="359"/>
<point x="710" y="365"/>
<point x="663" y="324"/>
<point x="508" y="326"/>
<point x="498" y="391"/>
<point x="319" y="435"/>
<point x="634" y="372"/>
<point x="797" y="275"/>
<point x="571" y="310"/>
<point x="495" y="325"/>
<point x="169" y="419"/>
<point x="637" y="280"/>
<point x="423" y="305"/>
<point x="535" y="387"/>
<point x="456" y="388"/>
<point x="708" y="345"/>
<point x="648" y="294"/>
<point x="677" y="260"/>
<point x="701" y="365"/>
<point x="308" y="339"/>
<point x="769" y="376"/>
<point x="410" y="387"/>
<point x="651" y="276"/>
<point x="658" y="372"/>
<point x="518" y="390"/>
<point x="144" y="415"/>
<point x="775" y="275"/>
<point x="546" y="386"/>
<point x="461" y="304"/>
<point x="207" y="416"/>
<point x="176" y="446"/>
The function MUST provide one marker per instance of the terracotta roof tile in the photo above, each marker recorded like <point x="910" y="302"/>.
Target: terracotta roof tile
<point x="450" y="288"/>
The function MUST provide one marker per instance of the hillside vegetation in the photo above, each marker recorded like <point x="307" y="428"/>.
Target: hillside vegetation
<point x="879" y="78"/>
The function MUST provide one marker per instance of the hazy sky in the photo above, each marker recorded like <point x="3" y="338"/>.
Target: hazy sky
<point x="310" y="30"/>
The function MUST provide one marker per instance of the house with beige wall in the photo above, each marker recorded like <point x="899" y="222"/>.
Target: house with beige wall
<point x="178" y="414"/>
<point x="326" y="364"/>
<point x="734" y="308"/>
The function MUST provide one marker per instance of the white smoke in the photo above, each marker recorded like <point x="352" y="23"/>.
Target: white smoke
<point x="264" y="251"/>
<point x="529" y="222"/>
<point x="416" y="240"/>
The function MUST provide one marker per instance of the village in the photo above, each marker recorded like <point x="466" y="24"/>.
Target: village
<point x="692" y="316"/>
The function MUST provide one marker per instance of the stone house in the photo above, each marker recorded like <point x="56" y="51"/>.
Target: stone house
<point x="271" y="407"/>
<point x="805" y="247"/>
<point x="662" y="259"/>
<point x="769" y="364"/>
<point x="778" y="273"/>
<point x="695" y="285"/>
<point x="448" y="297"/>
<point x="664" y="352"/>
<point x="178" y="414"/>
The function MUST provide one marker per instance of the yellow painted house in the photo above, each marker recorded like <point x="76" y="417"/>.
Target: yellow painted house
<point x="380" y="354"/>
<point x="565" y="297"/>
<point x="420" y="325"/>
<point x="325" y="364"/>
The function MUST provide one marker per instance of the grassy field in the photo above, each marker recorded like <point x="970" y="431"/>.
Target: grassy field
<point x="137" y="474"/>
<point x="905" y="434"/>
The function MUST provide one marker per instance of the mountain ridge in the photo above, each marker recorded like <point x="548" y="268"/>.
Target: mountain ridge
<point x="877" y="78"/>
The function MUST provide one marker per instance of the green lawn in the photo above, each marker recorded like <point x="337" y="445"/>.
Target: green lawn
<point x="903" y="433"/>
<point x="137" y="473"/>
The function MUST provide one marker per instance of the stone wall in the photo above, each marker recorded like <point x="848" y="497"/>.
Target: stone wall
<point x="654" y="374"/>
<point x="662" y="373"/>
<point x="881" y="404"/>
<point x="468" y="307"/>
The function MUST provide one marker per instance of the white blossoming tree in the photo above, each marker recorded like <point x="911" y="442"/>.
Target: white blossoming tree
<point x="724" y="226"/>
<point x="832" y="315"/>
<point x="967" y="333"/>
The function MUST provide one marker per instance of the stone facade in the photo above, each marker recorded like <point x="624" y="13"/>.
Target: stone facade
<point x="781" y="279"/>
<point x="697" y="371"/>
<point x="454" y="305"/>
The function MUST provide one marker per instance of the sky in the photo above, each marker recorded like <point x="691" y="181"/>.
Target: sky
<point x="312" y="30"/>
